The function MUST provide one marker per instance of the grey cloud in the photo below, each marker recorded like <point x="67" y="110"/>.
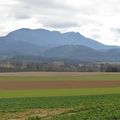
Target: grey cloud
<point x="96" y="36"/>
<point x="33" y="8"/>
<point x="22" y="16"/>
<point x="116" y="33"/>
<point x="42" y="3"/>
<point x="61" y="25"/>
<point x="116" y="30"/>
<point x="46" y="5"/>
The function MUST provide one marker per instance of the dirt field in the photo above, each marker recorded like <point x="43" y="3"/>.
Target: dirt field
<point x="52" y="73"/>
<point x="59" y="84"/>
<point x="20" y="85"/>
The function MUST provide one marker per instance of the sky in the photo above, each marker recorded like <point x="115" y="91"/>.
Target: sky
<point x="96" y="19"/>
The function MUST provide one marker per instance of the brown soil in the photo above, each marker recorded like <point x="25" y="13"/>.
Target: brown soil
<point x="42" y="113"/>
<point x="49" y="73"/>
<point x="19" y="85"/>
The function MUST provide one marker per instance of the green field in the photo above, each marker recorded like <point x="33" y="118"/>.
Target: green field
<point x="97" y="76"/>
<point x="57" y="92"/>
<point x="103" y="107"/>
<point x="61" y="104"/>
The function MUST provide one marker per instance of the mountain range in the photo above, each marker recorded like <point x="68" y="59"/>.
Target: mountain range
<point x="53" y="44"/>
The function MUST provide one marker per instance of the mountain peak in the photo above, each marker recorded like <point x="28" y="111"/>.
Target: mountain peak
<point x="49" y="38"/>
<point x="40" y="42"/>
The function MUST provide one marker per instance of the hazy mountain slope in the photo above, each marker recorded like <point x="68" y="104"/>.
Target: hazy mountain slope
<point x="74" y="52"/>
<point x="53" y="44"/>
<point x="83" y="53"/>
<point x="46" y="38"/>
<point x="18" y="48"/>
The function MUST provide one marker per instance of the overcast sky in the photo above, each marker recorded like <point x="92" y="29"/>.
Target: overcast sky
<point x="97" y="19"/>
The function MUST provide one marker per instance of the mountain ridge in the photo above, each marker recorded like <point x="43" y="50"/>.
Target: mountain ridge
<point x="53" y="44"/>
<point x="47" y="38"/>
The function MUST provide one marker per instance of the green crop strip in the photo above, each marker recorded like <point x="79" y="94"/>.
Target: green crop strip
<point x="62" y="78"/>
<point x="101" y="107"/>
<point x="58" y="92"/>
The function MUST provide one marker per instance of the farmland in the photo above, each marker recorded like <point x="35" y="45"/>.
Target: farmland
<point x="103" y="107"/>
<point x="59" y="96"/>
<point x="56" y="76"/>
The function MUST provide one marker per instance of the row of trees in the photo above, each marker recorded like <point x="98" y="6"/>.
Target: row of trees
<point x="89" y="67"/>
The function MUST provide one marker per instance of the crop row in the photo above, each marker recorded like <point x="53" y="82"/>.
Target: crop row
<point x="104" y="107"/>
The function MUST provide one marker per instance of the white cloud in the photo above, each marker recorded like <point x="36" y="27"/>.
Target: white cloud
<point x="92" y="18"/>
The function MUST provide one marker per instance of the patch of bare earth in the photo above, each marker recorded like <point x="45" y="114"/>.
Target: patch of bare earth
<point x="26" y="85"/>
<point x="49" y="73"/>
<point x="42" y="113"/>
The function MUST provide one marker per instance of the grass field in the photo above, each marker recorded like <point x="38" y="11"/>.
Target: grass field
<point x="60" y="104"/>
<point x="57" y="92"/>
<point x="59" y="77"/>
<point x="103" y="107"/>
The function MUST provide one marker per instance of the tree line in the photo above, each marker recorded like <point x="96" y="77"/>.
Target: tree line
<point x="87" y="67"/>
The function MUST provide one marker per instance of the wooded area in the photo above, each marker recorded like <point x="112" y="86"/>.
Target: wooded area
<point x="59" y="67"/>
